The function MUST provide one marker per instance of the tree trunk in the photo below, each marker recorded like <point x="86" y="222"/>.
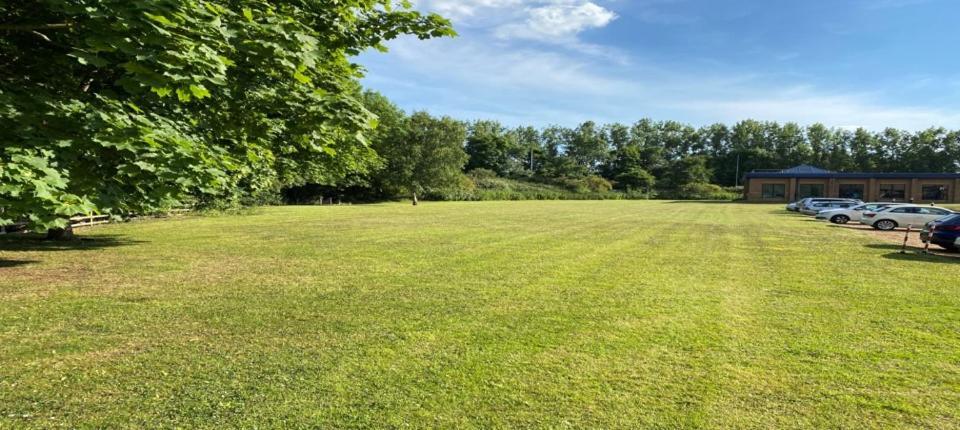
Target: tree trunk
<point x="415" y="202"/>
<point x="60" y="233"/>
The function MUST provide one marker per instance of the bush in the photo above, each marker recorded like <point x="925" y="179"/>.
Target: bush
<point x="703" y="191"/>
<point x="598" y="184"/>
<point x="482" y="174"/>
<point x="588" y="184"/>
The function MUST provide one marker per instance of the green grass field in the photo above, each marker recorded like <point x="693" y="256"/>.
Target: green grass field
<point x="500" y="314"/>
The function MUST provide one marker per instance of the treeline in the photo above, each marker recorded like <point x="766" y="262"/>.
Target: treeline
<point x="423" y="155"/>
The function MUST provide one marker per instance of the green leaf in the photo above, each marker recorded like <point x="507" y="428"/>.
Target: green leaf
<point x="183" y="95"/>
<point x="160" y="19"/>
<point x="199" y="91"/>
<point x="300" y="77"/>
<point x="248" y="14"/>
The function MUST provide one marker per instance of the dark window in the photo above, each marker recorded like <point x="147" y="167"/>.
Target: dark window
<point x="810" y="190"/>
<point x="774" y="191"/>
<point x="933" y="211"/>
<point x="893" y="191"/>
<point x="907" y="210"/>
<point x="851" y="191"/>
<point x="934" y="192"/>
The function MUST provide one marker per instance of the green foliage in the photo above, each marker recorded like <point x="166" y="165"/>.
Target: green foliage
<point x="414" y="155"/>
<point x="587" y="184"/>
<point x="491" y="147"/>
<point x="140" y="105"/>
<point x="496" y="188"/>
<point x="480" y="175"/>
<point x="703" y="191"/>
<point x="635" y="178"/>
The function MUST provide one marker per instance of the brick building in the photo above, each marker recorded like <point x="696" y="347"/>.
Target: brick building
<point x="808" y="181"/>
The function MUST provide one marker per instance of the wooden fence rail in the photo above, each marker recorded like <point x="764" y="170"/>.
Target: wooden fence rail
<point x="87" y="221"/>
<point x="81" y="221"/>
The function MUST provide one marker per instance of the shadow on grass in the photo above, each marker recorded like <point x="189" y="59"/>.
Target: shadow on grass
<point x="32" y="243"/>
<point x="14" y="263"/>
<point x="708" y="201"/>
<point x="915" y="254"/>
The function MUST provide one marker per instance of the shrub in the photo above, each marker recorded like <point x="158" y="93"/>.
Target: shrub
<point x="482" y="174"/>
<point x="703" y="191"/>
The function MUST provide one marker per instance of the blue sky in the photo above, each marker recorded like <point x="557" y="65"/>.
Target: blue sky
<point x="845" y="63"/>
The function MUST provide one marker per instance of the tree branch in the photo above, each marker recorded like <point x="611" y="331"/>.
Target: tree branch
<point x="35" y="27"/>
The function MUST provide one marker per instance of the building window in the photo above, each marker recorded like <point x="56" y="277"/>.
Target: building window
<point x="809" y="190"/>
<point x="774" y="191"/>
<point x="934" y="192"/>
<point x="851" y="191"/>
<point x="893" y="192"/>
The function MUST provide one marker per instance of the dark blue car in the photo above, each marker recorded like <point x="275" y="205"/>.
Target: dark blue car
<point x="944" y="232"/>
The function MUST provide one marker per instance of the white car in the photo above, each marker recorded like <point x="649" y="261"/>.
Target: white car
<point x="892" y="217"/>
<point x="843" y="216"/>
<point x="815" y="208"/>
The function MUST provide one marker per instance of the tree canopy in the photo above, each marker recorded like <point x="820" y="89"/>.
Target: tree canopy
<point x="131" y="106"/>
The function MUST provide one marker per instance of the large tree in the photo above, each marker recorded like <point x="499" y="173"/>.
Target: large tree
<point x="421" y="154"/>
<point x="130" y="106"/>
<point x="490" y="146"/>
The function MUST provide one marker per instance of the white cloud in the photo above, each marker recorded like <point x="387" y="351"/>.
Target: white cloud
<point x="558" y="22"/>
<point x="459" y="10"/>
<point x="552" y="21"/>
<point x="529" y="86"/>
<point x="523" y="62"/>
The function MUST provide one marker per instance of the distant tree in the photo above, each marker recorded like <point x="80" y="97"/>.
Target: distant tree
<point x="819" y="137"/>
<point x="557" y="163"/>
<point x="530" y="149"/>
<point x="634" y="178"/>
<point x="426" y="156"/>
<point x="587" y="148"/>
<point x="748" y="150"/>
<point x="490" y="146"/>
<point x="688" y="170"/>
<point x="862" y="149"/>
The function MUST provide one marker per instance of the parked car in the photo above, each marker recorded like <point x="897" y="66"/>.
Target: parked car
<point x="944" y="232"/>
<point x="817" y="207"/>
<point x="792" y="207"/>
<point x="803" y="203"/>
<point x="843" y="216"/>
<point x="891" y="217"/>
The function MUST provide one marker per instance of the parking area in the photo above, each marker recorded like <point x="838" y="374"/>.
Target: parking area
<point x="887" y="222"/>
<point x="896" y="238"/>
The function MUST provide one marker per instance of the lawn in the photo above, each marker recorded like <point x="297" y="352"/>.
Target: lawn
<point x="498" y="314"/>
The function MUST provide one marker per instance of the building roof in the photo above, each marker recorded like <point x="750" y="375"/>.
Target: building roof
<point x="806" y="168"/>
<point x="804" y="171"/>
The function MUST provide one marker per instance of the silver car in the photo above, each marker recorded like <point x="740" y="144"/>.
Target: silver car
<point x="810" y="201"/>
<point x="818" y="207"/>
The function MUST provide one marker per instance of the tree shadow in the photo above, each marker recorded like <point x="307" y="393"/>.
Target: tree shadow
<point x="782" y="211"/>
<point x="916" y="255"/>
<point x="34" y="243"/>
<point x="4" y="264"/>
<point x="708" y="201"/>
